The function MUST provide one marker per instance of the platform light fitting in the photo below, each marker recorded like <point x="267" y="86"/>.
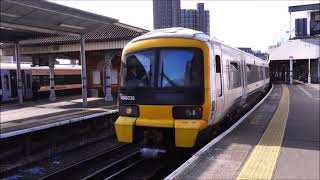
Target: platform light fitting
<point x="9" y="15"/>
<point x="71" y="26"/>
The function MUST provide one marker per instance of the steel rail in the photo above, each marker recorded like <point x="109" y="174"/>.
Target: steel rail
<point x="116" y="168"/>
<point x="82" y="163"/>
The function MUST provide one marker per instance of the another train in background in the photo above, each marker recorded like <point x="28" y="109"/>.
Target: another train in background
<point x="36" y="80"/>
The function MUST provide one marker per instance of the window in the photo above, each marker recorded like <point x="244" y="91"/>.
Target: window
<point x="173" y="67"/>
<point x="248" y="68"/>
<point x="254" y="74"/>
<point x="219" y="76"/>
<point x="179" y="67"/>
<point x="6" y="82"/>
<point x="114" y="76"/>
<point x="137" y="70"/>
<point x="96" y="77"/>
<point x="28" y="81"/>
<point x="267" y="73"/>
<point x="218" y="64"/>
<point x="234" y="75"/>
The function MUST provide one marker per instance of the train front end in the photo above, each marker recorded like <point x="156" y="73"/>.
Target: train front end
<point x="164" y="97"/>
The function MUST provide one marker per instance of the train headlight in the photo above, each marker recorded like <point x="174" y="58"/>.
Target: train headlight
<point x="187" y="112"/>
<point x="131" y="111"/>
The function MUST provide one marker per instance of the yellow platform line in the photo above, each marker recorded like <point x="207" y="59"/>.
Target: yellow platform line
<point x="262" y="160"/>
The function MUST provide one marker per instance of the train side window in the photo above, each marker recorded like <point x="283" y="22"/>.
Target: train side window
<point x="248" y="68"/>
<point x="234" y="66"/>
<point x="267" y="73"/>
<point x="28" y="81"/>
<point x="6" y="82"/>
<point x="234" y="75"/>
<point x="218" y="64"/>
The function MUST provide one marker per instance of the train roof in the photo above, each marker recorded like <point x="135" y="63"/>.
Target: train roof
<point x="180" y="32"/>
<point x="176" y="32"/>
<point x="28" y="66"/>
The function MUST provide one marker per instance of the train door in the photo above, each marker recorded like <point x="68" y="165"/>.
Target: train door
<point x="243" y="80"/>
<point x="27" y="84"/>
<point x="5" y="85"/>
<point x="219" y="83"/>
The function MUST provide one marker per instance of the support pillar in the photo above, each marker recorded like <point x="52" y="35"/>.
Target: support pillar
<point x="108" y="96"/>
<point x="309" y="71"/>
<point x="19" y="81"/>
<point x="291" y="71"/>
<point x="52" y="96"/>
<point x="83" y="71"/>
<point x="290" y="26"/>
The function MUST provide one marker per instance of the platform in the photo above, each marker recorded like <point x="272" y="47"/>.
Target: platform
<point x="18" y="119"/>
<point x="278" y="140"/>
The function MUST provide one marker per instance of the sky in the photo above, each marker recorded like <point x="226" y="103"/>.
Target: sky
<point x="255" y="24"/>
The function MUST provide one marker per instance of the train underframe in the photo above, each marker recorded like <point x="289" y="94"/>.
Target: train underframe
<point x="164" y="138"/>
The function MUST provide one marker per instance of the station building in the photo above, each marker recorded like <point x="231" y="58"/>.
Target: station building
<point x="103" y="48"/>
<point x="299" y="57"/>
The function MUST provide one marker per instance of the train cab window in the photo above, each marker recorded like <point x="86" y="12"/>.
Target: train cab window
<point x="28" y="81"/>
<point x="180" y="67"/>
<point x="6" y="82"/>
<point x="138" y="69"/>
<point x="218" y="64"/>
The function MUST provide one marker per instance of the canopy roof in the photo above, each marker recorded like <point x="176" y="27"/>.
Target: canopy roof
<point x="297" y="49"/>
<point x="21" y="20"/>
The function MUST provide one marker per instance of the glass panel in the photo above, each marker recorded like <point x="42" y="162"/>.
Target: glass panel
<point x="179" y="67"/>
<point x="137" y="70"/>
<point x="6" y="82"/>
<point x="96" y="77"/>
<point x="28" y="81"/>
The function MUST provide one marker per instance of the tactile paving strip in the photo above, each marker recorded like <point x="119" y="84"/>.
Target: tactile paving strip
<point x="262" y="160"/>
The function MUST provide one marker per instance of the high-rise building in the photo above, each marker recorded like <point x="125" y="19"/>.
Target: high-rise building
<point x="188" y="18"/>
<point x="196" y="19"/>
<point x="206" y="22"/>
<point x="166" y="13"/>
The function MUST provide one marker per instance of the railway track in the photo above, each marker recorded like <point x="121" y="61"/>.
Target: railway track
<point x="116" y="168"/>
<point x="107" y="164"/>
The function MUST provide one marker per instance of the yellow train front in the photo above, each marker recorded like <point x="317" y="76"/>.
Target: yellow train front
<point x="164" y="95"/>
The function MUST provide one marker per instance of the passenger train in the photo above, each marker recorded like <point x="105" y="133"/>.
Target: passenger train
<point x="36" y="80"/>
<point x="177" y="83"/>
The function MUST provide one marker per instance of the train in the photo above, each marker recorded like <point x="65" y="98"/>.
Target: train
<point x="36" y="80"/>
<point x="178" y="82"/>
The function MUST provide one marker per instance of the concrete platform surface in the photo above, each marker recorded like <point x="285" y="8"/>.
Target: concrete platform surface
<point x="299" y="156"/>
<point x="16" y="117"/>
<point x="296" y="158"/>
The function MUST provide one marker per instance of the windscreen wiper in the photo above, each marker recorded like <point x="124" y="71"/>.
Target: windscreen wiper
<point x="168" y="79"/>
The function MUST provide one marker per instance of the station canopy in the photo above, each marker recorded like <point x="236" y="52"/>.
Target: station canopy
<point x="29" y="19"/>
<point x="296" y="49"/>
